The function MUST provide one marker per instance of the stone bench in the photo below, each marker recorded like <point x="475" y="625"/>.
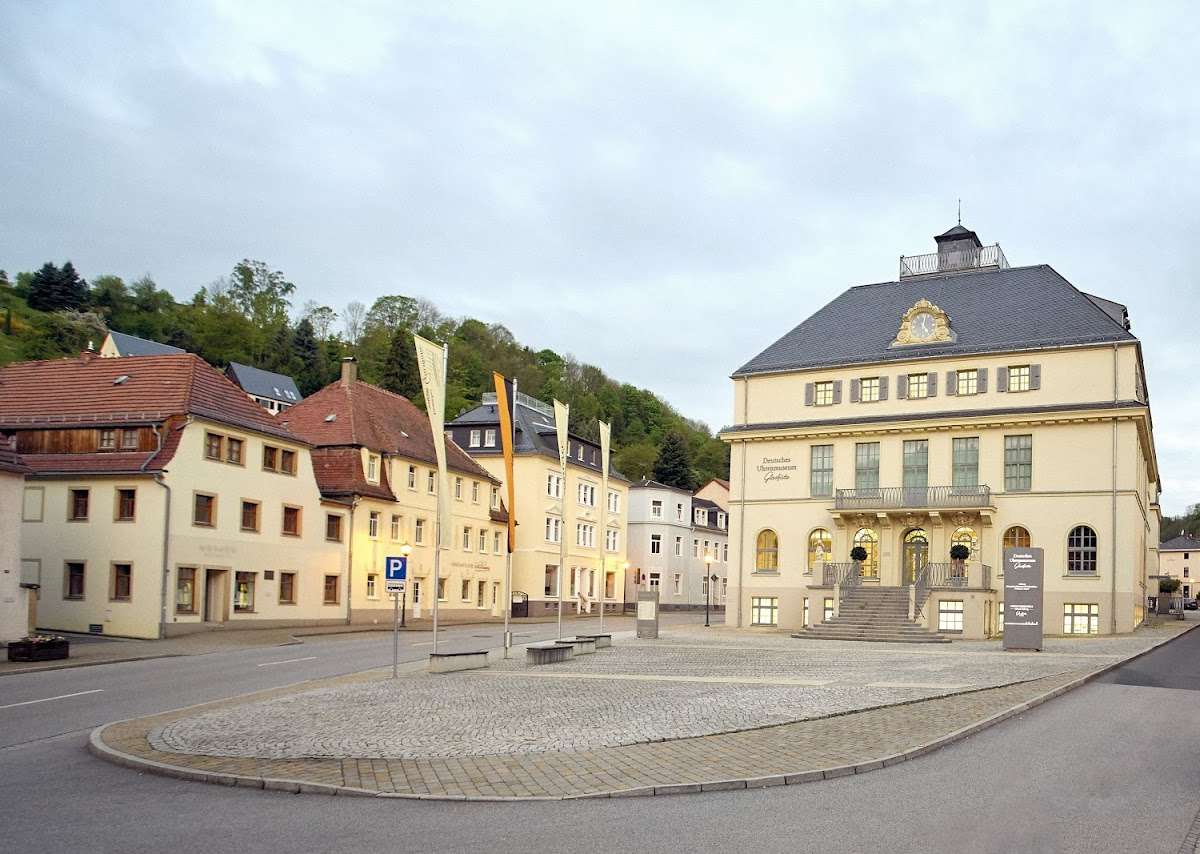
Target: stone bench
<point x="449" y="662"/>
<point x="584" y="644"/>
<point x="548" y="653"/>
<point x="602" y="641"/>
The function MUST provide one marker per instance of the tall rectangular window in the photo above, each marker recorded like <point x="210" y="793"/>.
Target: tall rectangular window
<point x="250" y="516"/>
<point x="656" y="509"/>
<point x="918" y="385"/>
<point x="395" y="527"/>
<point x="968" y="382"/>
<point x="551" y="585"/>
<point x="419" y="531"/>
<point x="553" y="529"/>
<point x="489" y="438"/>
<point x="126" y="504"/>
<point x="331" y="589"/>
<point x="233" y="451"/>
<point x="1018" y="463"/>
<point x="373" y="524"/>
<point x="243" y="592"/>
<point x="291" y="521"/>
<point x="827" y="609"/>
<point x="916" y="464"/>
<point x="474" y="441"/>
<point x="655" y="544"/>
<point x="823" y="394"/>
<point x="185" y="590"/>
<point x="679" y="547"/>
<point x="869" y="389"/>
<point x="466" y="539"/>
<point x="866" y="465"/>
<point x="77" y="506"/>
<point x="212" y="445"/>
<point x="821" y="470"/>
<point x="412" y="477"/>
<point x="372" y="585"/>
<point x="73" y="587"/>
<point x="764" y="610"/>
<point x="122" y="582"/>
<point x="333" y="527"/>
<point x="966" y="461"/>
<point x="287" y="588"/>
<point x="108" y="440"/>
<point x="204" y="510"/>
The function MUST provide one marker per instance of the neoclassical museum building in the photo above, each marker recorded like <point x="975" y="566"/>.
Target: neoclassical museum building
<point x="969" y="403"/>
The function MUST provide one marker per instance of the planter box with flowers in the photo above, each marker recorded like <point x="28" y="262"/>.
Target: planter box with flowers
<point x="39" y="648"/>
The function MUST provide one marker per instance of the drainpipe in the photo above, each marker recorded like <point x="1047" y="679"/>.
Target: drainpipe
<point x="166" y="542"/>
<point x="1112" y="607"/>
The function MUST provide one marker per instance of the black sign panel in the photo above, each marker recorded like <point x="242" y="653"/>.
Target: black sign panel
<point x="1023" y="598"/>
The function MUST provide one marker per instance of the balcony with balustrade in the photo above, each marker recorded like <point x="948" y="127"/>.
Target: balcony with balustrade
<point x="886" y="503"/>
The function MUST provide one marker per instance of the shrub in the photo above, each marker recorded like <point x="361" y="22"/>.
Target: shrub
<point x="959" y="552"/>
<point x="1168" y="585"/>
<point x="858" y="553"/>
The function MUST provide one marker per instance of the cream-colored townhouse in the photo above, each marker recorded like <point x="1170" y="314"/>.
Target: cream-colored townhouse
<point x="374" y="457"/>
<point x="162" y="500"/>
<point x="1177" y="557"/>
<point x="969" y="403"/>
<point x="547" y="508"/>
<point x="15" y="592"/>
<point x="716" y="491"/>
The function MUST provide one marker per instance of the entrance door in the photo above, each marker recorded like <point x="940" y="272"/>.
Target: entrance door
<point x="216" y="596"/>
<point x="916" y="554"/>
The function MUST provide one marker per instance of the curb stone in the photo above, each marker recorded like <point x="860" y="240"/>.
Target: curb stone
<point x="99" y="748"/>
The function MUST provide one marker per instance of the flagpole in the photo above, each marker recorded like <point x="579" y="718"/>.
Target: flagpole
<point x="437" y="536"/>
<point x="512" y="417"/>
<point x="604" y="441"/>
<point x="562" y="542"/>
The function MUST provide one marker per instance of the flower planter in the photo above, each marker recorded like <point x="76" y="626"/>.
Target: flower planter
<point x="50" y="650"/>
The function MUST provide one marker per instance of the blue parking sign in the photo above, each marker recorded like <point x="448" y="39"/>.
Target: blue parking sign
<point x="395" y="568"/>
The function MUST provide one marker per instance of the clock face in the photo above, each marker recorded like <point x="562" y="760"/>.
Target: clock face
<point x="922" y="325"/>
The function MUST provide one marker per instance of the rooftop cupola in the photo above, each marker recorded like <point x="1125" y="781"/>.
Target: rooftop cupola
<point x="958" y="249"/>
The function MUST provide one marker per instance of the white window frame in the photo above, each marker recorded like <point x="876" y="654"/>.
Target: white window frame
<point x="489" y="438"/>
<point x="656" y="544"/>
<point x="475" y="436"/>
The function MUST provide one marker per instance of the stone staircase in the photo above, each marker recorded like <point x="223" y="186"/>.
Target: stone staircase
<point x="873" y="614"/>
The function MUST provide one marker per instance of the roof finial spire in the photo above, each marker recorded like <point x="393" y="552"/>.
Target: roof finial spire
<point x="960" y="211"/>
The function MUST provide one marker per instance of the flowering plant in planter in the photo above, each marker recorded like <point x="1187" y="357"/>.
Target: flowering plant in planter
<point x="42" y="639"/>
<point x="39" y="648"/>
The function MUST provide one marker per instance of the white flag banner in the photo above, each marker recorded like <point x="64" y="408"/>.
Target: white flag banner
<point x="431" y="361"/>
<point x="562" y="413"/>
<point x="605" y="436"/>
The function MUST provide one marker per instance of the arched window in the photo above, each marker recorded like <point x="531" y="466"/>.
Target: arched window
<point x="820" y="544"/>
<point x="866" y="538"/>
<point x="967" y="537"/>
<point x="1016" y="537"/>
<point x="1081" y="551"/>
<point x="767" y="552"/>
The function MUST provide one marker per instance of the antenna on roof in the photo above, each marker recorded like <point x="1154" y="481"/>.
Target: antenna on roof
<point x="960" y="211"/>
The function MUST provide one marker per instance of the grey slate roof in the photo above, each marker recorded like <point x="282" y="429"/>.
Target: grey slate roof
<point x="647" y="483"/>
<point x="535" y="434"/>
<point x="990" y="310"/>
<point x="262" y="383"/>
<point x="1180" y="544"/>
<point x="131" y="345"/>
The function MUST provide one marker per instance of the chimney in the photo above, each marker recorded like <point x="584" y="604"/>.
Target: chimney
<point x="349" y="371"/>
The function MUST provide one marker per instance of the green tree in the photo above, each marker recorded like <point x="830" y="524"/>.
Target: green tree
<point x="310" y="375"/>
<point x="260" y="293"/>
<point x="636" y="461"/>
<point x="52" y="289"/>
<point x="674" y="465"/>
<point x="400" y="372"/>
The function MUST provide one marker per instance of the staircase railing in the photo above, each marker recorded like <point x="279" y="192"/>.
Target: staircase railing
<point x="949" y="576"/>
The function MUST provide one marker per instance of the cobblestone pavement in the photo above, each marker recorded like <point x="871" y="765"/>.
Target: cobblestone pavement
<point x="599" y="689"/>
<point x="624" y="695"/>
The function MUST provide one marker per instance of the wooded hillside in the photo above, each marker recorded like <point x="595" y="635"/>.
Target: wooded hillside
<point x="249" y="317"/>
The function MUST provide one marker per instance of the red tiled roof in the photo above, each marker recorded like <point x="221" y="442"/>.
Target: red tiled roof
<point x="11" y="462"/>
<point x="83" y="391"/>
<point x="339" y="472"/>
<point x="370" y="417"/>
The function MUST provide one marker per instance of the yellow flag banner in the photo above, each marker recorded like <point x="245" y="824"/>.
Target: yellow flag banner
<point x="505" y="401"/>
<point x="562" y="413"/>
<point x="431" y="362"/>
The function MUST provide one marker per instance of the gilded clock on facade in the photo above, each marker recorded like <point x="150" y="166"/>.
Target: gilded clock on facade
<point x="924" y="323"/>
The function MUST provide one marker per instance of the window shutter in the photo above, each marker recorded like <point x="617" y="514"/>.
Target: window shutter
<point x="931" y="384"/>
<point x="837" y="391"/>
<point x="854" y="392"/>
<point x="1035" y="376"/>
<point x="1001" y="379"/>
<point x="808" y="394"/>
<point x="981" y="380"/>
<point x="883" y="384"/>
<point x="902" y="387"/>
<point x="951" y="382"/>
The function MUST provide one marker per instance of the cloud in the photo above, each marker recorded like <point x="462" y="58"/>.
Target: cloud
<point x="661" y="189"/>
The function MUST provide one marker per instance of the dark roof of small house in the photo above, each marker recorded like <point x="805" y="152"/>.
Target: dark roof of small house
<point x="262" y="383"/>
<point x="647" y="483"/>
<point x="1182" y="543"/>
<point x="991" y="310"/>
<point x="131" y="345"/>
<point x="535" y="434"/>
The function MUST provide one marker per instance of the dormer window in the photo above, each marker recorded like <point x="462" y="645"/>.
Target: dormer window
<point x="579" y="452"/>
<point x="489" y="438"/>
<point x="372" y="468"/>
<point x="720" y="520"/>
<point x="475" y="437"/>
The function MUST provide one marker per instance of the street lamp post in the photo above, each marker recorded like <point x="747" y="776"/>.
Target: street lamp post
<point x="708" y="560"/>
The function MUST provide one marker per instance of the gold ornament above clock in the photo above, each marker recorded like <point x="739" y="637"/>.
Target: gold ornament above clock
<point x="924" y="323"/>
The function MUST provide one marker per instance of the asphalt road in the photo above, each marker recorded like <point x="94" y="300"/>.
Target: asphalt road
<point x="1112" y="766"/>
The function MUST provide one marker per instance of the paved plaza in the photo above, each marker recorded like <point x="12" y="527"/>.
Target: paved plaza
<point x="696" y="707"/>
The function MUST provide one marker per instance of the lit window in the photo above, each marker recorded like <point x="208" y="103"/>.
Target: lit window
<point x="820" y="546"/>
<point x="1081" y="618"/>
<point x="185" y="590"/>
<point x="767" y="552"/>
<point x="823" y="394"/>
<point x="372" y="585"/>
<point x="764" y="610"/>
<point x="827" y="609"/>
<point x="243" y="592"/>
<point x="1017" y="537"/>
<point x="868" y="389"/>
<point x="967" y="382"/>
<point x="950" y="616"/>
<point x="865" y="539"/>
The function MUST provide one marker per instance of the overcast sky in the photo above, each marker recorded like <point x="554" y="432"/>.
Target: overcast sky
<point x="659" y="191"/>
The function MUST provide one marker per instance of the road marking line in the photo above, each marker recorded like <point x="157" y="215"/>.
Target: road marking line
<point x="423" y="643"/>
<point x="48" y="699"/>
<point x="286" y="661"/>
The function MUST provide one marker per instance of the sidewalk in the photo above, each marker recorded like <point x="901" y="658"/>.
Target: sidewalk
<point x="239" y="741"/>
